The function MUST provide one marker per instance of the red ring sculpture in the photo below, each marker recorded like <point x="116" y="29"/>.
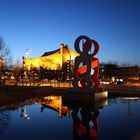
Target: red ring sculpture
<point x="83" y="74"/>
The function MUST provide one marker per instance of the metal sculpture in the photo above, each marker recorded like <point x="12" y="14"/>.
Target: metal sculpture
<point x="82" y="74"/>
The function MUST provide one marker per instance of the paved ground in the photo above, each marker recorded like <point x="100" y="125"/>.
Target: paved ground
<point x="122" y="90"/>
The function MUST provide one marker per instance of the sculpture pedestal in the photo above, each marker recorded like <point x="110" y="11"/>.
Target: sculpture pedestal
<point x="85" y="97"/>
<point x="85" y="100"/>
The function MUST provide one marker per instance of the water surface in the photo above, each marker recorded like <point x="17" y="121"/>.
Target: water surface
<point x="52" y="119"/>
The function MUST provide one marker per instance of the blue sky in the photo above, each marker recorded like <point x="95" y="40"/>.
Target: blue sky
<point x="43" y="25"/>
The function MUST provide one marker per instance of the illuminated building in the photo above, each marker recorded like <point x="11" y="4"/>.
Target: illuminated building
<point x="1" y="63"/>
<point x="54" y="64"/>
<point x="53" y="60"/>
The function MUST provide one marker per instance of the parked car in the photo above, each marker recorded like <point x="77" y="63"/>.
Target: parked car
<point x="119" y="81"/>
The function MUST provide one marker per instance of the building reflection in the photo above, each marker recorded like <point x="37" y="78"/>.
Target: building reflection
<point x="54" y="103"/>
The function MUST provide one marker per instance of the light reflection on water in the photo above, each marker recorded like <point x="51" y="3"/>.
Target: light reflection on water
<point x="50" y="118"/>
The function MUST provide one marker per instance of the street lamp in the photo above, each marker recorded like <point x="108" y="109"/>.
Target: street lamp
<point x="26" y="55"/>
<point x="27" y="52"/>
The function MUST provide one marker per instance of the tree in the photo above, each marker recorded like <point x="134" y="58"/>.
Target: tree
<point x="110" y="70"/>
<point x="5" y="52"/>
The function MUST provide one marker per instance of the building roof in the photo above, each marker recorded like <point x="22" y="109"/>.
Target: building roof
<point x="51" y="52"/>
<point x="58" y="50"/>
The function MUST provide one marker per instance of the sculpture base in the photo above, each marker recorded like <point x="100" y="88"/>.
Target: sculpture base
<point x="86" y="100"/>
<point x="85" y="97"/>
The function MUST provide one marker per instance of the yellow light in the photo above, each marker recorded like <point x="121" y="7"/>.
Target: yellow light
<point x="56" y="103"/>
<point x="51" y="62"/>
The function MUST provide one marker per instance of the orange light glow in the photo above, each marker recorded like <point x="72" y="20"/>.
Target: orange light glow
<point x="56" y="103"/>
<point x="53" y="61"/>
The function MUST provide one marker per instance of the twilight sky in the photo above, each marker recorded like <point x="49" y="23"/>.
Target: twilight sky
<point x="43" y="25"/>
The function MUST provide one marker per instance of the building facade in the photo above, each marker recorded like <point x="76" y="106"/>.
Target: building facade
<point x="54" y="64"/>
<point x="53" y="60"/>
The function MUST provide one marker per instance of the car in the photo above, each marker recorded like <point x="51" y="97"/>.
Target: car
<point x="120" y="81"/>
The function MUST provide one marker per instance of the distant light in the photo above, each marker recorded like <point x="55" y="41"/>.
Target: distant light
<point x="131" y="98"/>
<point x="120" y="80"/>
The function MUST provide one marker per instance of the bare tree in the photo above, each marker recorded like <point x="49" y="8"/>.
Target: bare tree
<point x="5" y="52"/>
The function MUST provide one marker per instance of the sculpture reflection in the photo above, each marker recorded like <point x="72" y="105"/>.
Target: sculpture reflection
<point x="85" y="126"/>
<point x="84" y="116"/>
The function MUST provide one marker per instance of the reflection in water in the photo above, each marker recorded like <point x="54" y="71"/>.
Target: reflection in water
<point x="4" y="121"/>
<point x="24" y="114"/>
<point x="84" y="118"/>
<point x="86" y="127"/>
<point x="54" y="103"/>
<point x="129" y="100"/>
<point x="85" y="121"/>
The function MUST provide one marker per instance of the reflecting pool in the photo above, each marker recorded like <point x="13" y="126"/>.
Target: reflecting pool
<point x="51" y="118"/>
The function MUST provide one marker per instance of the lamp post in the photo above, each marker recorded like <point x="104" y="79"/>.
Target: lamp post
<point x="25" y="71"/>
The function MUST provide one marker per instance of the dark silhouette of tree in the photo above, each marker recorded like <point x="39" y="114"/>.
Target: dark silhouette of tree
<point x="5" y="52"/>
<point x="4" y="121"/>
<point x="127" y="72"/>
<point x="110" y="70"/>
